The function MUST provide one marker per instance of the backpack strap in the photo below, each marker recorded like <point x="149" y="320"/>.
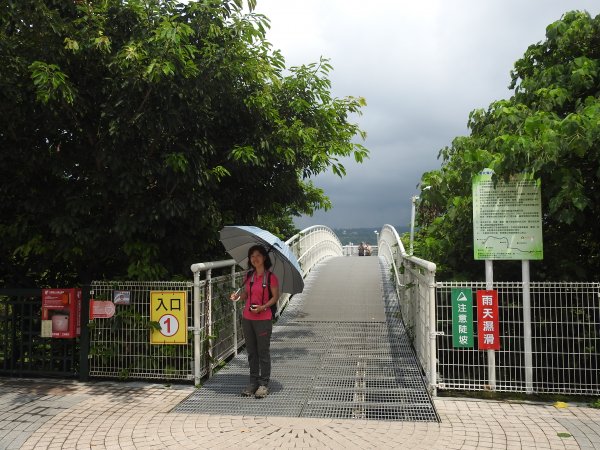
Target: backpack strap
<point x="266" y="283"/>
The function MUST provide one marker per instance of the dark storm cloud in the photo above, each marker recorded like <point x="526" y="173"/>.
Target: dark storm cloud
<point x="422" y="67"/>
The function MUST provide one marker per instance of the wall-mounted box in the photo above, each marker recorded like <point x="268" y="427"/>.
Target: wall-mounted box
<point x="60" y="308"/>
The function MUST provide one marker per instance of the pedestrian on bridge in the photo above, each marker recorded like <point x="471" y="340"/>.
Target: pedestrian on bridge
<point x="259" y="292"/>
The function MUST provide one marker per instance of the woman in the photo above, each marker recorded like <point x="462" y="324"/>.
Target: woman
<point x="260" y="292"/>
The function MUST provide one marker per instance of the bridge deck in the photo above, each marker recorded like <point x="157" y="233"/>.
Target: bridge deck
<point x="338" y="351"/>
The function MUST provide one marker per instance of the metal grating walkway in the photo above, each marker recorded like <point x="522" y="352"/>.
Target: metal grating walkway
<point x="338" y="351"/>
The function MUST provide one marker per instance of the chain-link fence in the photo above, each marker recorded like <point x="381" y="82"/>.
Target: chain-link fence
<point x="120" y="346"/>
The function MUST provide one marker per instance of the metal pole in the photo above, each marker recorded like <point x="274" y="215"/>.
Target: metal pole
<point x="209" y="320"/>
<point x="432" y="335"/>
<point x="491" y="354"/>
<point x="84" y="338"/>
<point x="235" y="338"/>
<point x="527" y="327"/>
<point x="412" y="223"/>
<point x="197" y="327"/>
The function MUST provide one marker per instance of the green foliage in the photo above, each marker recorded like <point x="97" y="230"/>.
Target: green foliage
<point x="131" y="132"/>
<point x="122" y="342"/>
<point x="549" y="127"/>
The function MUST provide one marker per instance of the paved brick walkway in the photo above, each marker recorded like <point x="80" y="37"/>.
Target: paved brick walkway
<point x="52" y="414"/>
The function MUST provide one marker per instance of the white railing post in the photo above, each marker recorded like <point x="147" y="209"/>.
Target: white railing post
<point x="235" y="338"/>
<point x="432" y="335"/>
<point x="197" y="330"/>
<point x="527" y="328"/>
<point x="491" y="354"/>
<point x="209" y="320"/>
<point x="412" y="223"/>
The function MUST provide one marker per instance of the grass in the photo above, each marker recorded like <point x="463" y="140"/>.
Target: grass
<point x="592" y="401"/>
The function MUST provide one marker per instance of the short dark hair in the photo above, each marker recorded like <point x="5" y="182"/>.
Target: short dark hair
<point x="263" y="251"/>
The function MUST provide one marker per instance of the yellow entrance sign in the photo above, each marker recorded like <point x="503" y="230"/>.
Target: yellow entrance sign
<point x="169" y="309"/>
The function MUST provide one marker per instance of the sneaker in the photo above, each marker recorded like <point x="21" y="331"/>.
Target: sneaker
<point x="249" y="390"/>
<point x="261" y="392"/>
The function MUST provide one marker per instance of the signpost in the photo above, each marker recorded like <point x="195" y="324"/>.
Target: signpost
<point x="507" y="225"/>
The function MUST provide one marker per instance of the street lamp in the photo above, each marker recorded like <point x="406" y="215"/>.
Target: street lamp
<point x="414" y="199"/>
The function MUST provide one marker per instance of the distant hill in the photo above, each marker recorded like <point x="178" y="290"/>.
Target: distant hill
<point x="358" y="235"/>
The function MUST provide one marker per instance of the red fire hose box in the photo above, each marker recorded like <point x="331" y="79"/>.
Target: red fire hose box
<point x="60" y="313"/>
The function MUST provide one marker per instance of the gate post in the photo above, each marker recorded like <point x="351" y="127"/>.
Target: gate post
<point x="235" y="330"/>
<point x="197" y="327"/>
<point x="84" y="338"/>
<point x="432" y="334"/>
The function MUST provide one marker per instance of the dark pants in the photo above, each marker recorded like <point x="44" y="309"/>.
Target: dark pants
<point x="258" y="346"/>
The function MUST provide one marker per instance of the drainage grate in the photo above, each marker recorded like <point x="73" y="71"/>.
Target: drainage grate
<point x="330" y="369"/>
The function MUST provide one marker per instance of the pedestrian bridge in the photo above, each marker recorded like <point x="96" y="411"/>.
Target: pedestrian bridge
<point x="339" y="350"/>
<point x="343" y="348"/>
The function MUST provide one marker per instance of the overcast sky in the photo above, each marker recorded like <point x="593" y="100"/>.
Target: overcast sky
<point x="422" y="67"/>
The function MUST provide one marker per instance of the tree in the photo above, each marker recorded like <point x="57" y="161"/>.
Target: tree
<point x="549" y="127"/>
<point x="132" y="131"/>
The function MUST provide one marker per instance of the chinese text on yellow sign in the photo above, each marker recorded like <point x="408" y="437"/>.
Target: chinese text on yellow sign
<point x="168" y="308"/>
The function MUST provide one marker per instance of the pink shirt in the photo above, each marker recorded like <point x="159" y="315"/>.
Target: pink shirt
<point x="258" y="296"/>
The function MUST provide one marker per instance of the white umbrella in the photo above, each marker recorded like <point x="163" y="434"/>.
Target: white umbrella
<point x="238" y="239"/>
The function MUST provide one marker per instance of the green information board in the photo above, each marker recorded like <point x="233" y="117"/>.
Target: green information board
<point x="507" y="218"/>
<point x="462" y="318"/>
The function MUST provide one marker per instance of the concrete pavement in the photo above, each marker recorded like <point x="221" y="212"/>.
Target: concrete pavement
<point x="56" y="414"/>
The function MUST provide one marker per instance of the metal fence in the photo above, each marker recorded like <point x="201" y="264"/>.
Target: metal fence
<point x="565" y="340"/>
<point x="119" y="347"/>
<point x="414" y="279"/>
<point x="565" y="331"/>
<point x="23" y="350"/>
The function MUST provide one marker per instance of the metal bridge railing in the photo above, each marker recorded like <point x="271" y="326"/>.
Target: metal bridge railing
<point x="565" y="331"/>
<point x="313" y="245"/>
<point x="415" y="286"/>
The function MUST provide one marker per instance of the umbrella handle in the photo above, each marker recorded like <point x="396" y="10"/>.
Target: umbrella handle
<point x="236" y="295"/>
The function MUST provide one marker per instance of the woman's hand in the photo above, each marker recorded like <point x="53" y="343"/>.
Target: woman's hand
<point x="258" y="308"/>
<point x="235" y="296"/>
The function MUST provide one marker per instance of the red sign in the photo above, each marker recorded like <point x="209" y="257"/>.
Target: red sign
<point x="488" y="330"/>
<point x="60" y="308"/>
<point x="101" y="309"/>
